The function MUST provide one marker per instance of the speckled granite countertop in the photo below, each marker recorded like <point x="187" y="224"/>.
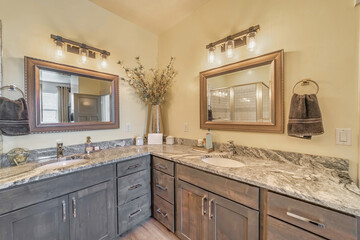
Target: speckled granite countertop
<point x="326" y="183"/>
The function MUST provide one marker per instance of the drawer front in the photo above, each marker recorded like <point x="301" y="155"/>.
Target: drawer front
<point x="279" y="230"/>
<point x="133" y="213"/>
<point x="319" y="220"/>
<point x="133" y="165"/>
<point x="231" y="189"/>
<point x="133" y="186"/>
<point x="163" y="185"/>
<point x="163" y="165"/>
<point x="164" y="212"/>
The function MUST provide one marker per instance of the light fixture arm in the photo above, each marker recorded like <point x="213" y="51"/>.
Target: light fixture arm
<point x="234" y="36"/>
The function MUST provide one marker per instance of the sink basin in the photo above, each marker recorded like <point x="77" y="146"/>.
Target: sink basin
<point x="223" y="162"/>
<point x="61" y="164"/>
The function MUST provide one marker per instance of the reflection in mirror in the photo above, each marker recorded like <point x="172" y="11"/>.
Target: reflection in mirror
<point x="68" y="98"/>
<point x="241" y="96"/>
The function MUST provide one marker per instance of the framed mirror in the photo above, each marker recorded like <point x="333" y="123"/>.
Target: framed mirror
<point x="67" y="98"/>
<point x="244" y="96"/>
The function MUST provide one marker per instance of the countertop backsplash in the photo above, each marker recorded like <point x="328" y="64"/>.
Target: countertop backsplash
<point x="251" y="152"/>
<point x="38" y="154"/>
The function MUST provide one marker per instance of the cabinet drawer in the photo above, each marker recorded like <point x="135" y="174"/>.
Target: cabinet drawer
<point x="231" y="189"/>
<point x="133" y="213"/>
<point x="164" y="212"/>
<point x="133" y="165"/>
<point x="319" y="220"/>
<point x="163" y="165"/>
<point x="278" y="230"/>
<point x="163" y="185"/>
<point x="133" y="186"/>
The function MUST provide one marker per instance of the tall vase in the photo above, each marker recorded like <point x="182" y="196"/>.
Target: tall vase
<point x="154" y="120"/>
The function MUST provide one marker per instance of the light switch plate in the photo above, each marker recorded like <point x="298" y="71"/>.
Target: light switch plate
<point x="343" y="136"/>
<point x="128" y="127"/>
<point x="186" y="127"/>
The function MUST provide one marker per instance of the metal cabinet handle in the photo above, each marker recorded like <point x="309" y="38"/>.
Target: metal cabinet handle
<point x="211" y="215"/>
<point x="134" y="166"/>
<point x="161" y="166"/>
<point x="134" y="187"/>
<point x="74" y="207"/>
<point x="304" y="219"/>
<point x="64" y="210"/>
<point x="135" y="213"/>
<point x="161" y="187"/>
<point x="164" y="215"/>
<point x="203" y="208"/>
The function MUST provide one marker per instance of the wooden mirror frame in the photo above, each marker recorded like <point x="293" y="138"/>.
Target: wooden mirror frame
<point x="277" y="99"/>
<point x="32" y="70"/>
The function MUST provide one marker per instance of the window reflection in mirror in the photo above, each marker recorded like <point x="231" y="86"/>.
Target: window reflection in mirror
<point x="241" y="96"/>
<point x="69" y="98"/>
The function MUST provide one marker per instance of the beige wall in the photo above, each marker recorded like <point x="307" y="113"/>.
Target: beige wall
<point x="319" y="38"/>
<point x="27" y="25"/>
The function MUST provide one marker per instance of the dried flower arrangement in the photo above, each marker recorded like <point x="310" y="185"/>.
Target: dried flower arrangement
<point x="151" y="86"/>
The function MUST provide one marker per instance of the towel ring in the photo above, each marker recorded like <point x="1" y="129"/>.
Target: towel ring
<point x="305" y="82"/>
<point x="12" y="87"/>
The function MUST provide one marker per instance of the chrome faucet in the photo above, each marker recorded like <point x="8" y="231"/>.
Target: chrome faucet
<point x="231" y="148"/>
<point x="59" y="149"/>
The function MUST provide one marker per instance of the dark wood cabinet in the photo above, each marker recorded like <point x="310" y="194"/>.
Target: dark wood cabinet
<point x="92" y="213"/>
<point x="203" y="215"/>
<point x="163" y="196"/>
<point x="230" y="220"/>
<point x="43" y="221"/>
<point x="133" y="193"/>
<point x="191" y="212"/>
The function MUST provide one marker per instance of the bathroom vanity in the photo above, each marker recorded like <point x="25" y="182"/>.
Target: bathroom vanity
<point x="113" y="192"/>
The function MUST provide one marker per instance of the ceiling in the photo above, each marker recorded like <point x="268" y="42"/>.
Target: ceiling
<point x="154" y="15"/>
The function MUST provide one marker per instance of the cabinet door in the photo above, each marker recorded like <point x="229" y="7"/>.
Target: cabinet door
<point x="92" y="213"/>
<point x="230" y="220"/>
<point x="191" y="215"/>
<point x="44" y="221"/>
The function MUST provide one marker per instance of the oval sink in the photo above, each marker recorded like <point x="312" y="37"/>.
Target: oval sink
<point x="61" y="164"/>
<point x="223" y="162"/>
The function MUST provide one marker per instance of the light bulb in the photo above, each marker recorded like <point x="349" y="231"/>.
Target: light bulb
<point x="83" y="55"/>
<point x="229" y="48"/>
<point x="211" y="55"/>
<point x="103" y="61"/>
<point x="59" y="49"/>
<point x="251" y="43"/>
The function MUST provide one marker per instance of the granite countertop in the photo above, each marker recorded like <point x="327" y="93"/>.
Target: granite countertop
<point x="326" y="183"/>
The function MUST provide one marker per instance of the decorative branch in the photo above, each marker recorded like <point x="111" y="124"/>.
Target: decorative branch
<point x="153" y="85"/>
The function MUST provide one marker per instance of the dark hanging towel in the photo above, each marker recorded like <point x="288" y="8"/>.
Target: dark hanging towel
<point x="305" y="117"/>
<point x="14" y="120"/>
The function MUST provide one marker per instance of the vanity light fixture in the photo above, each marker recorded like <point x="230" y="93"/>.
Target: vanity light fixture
<point x="85" y="51"/>
<point x="59" y="46"/>
<point x="103" y="61"/>
<point x="211" y="55"/>
<point x="229" y="47"/>
<point x="251" y="43"/>
<point x="228" y="44"/>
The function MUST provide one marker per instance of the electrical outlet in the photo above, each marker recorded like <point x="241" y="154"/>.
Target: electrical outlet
<point x="186" y="127"/>
<point x="128" y="127"/>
